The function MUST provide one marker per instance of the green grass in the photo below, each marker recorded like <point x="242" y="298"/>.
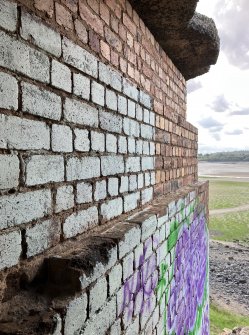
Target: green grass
<point x="227" y="194"/>
<point x="230" y="227"/>
<point x="221" y="319"/>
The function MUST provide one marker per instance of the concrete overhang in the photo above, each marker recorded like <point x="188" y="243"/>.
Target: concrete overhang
<point x="190" y="39"/>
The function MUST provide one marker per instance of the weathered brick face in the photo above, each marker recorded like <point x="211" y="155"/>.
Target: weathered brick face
<point x="92" y="127"/>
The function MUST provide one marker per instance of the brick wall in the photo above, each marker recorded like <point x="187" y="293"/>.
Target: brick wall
<point x="92" y="127"/>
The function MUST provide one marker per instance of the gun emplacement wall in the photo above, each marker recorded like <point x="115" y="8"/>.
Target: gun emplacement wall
<point x="103" y="226"/>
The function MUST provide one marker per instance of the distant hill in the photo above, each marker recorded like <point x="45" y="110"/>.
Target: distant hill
<point x="232" y="156"/>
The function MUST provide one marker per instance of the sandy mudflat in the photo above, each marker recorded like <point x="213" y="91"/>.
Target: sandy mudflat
<point x="238" y="171"/>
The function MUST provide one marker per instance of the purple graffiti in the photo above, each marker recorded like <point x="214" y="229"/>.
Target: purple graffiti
<point x="138" y="291"/>
<point x="188" y="284"/>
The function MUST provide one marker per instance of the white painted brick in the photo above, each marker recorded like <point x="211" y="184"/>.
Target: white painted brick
<point x="152" y="149"/>
<point x="131" y="127"/>
<point x="98" y="141"/>
<point x="140" y="180"/>
<point x="111" y="100"/>
<point x="110" y="122"/>
<point x="147" y="178"/>
<point x="18" y="133"/>
<point x="81" y="86"/>
<point x="76" y="314"/>
<point x="122" y="105"/>
<point x="130" y="241"/>
<point x="146" y="148"/>
<point x="9" y="171"/>
<point x="131" y="201"/>
<point x="110" y="77"/>
<point x="147" y="131"/>
<point x="17" y="56"/>
<point x="133" y="327"/>
<point x="115" y="279"/>
<point x="148" y="163"/>
<point x="124" y="184"/>
<point x="41" y="237"/>
<point x="111" y="143"/>
<point x="132" y="164"/>
<point x="112" y="209"/>
<point x="139" y="112"/>
<point x="152" y="118"/>
<point x="98" y="295"/>
<point x="139" y="255"/>
<point x="100" y="190"/>
<point x="148" y="227"/>
<point x="8" y="91"/>
<point x="111" y="165"/>
<point x="130" y="90"/>
<point x="146" y="116"/>
<point x="79" y="58"/>
<point x="24" y="207"/>
<point x="81" y="141"/>
<point x="84" y="193"/>
<point x="131" y="108"/>
<point x="113" y="186"/>
<point x="10" y="249"/>
<point x="64" y="198"/>
<point x="139" y="147"/>
<point x="122" y="145"/>
<point x="147" y="195"/>
<point x="116" y="328"/>
<point x="41" y="35"/>
<point x="128" y="264"/>
<point x="40" y="102"/>
<point x="100" y="322"/>
<point x="98" y="93"/>
<point x="44" y="169"/>
<point x="132" y="182"/>
<point x="80" y="113"/>
<point x="8" y="15"/>
<point x="145" y="99"/>
<point x="131" y="145"/>
<point x="79" y="222"/>
<point x="61" y="76"/>
<point x="83" y="168"/>
<point x="62" y="138"/>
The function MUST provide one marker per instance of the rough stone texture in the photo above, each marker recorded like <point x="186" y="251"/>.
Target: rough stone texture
<point x="64" y="198"/>
<point x="76" y="314"/>
<point x="190" y="39"/>
<point x="24" y="207"/>
<point x="8" y="15"/>
<point x="9" y="171"/>
<point x="8" y="92"/>
<point x="10" y="249"/>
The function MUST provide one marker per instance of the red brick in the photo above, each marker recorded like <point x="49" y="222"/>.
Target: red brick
<point x="46" y="6"/>
<point x="94" y="4"/>
<point x="71" y="4"/>
<point x="105" y="50"/>
<point x="113" y="39"/>
<point x="114" y="24"/>
<point x="91" y="19"/>
<point x="123" y="65"/>
<point x="105" y="13"/>
<point x="94" y="41"/>
<point x="81" y="31"/>
<point x="129" y="24"/>
<point x="64" y="17"/>
<point x="114" y="58"/>
<point x="115" y="7"/>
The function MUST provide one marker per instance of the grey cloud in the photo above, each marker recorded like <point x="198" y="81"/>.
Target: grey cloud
<point x="216" y="137"/>
<point x="209" y="122"/>
<point x="234" y="132"/>
<point x="243" y="111"/>
<point x="215" y="129"/>
<point x="234" y="31"/>
<point x="220" y="104"/>
<point x="193" y="85"/>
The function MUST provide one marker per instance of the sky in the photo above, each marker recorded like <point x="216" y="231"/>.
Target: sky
<point x="218" y="102"/>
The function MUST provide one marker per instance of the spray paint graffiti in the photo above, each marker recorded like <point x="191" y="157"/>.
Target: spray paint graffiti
<point x="182" y="286"/>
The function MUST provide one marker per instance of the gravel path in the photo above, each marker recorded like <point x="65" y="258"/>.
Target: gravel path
<point x="229" y="276"/>
<point x="229" y="210"/>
